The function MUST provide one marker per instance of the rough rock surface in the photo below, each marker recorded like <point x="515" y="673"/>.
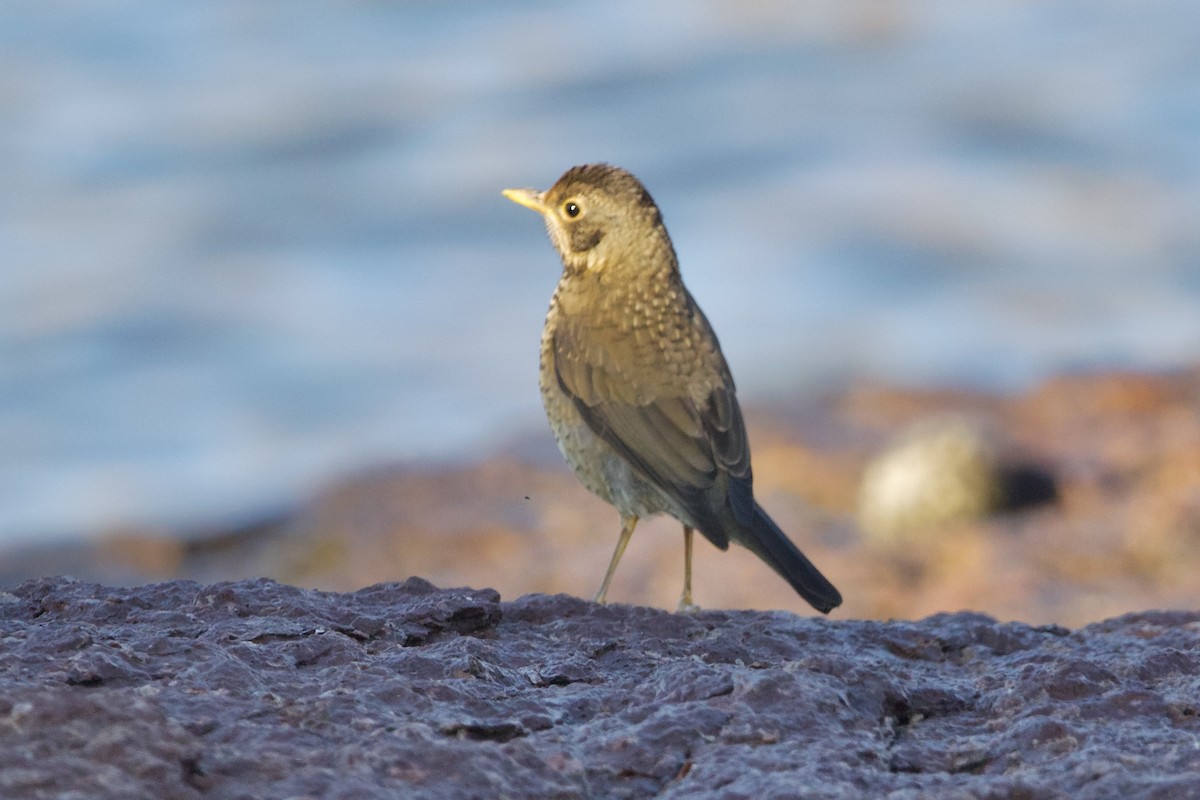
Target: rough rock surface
<point x="262" y="690"/>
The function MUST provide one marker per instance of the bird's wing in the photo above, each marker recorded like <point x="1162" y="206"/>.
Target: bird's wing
<point x="696" y="453"/>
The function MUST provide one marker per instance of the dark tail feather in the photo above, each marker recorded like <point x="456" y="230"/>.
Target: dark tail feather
<point x="766" y="541"/>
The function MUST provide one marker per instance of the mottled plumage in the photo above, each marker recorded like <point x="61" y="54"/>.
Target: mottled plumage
<point x="635" y="386"/>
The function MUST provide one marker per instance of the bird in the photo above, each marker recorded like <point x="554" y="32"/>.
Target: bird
<point x="635" y="387"/>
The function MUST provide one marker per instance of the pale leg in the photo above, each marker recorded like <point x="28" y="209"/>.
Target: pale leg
<point x="627" y="526"/>
<point x="685" y="599"/>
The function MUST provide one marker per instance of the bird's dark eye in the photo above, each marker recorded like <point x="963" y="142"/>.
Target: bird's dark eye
<point x="571" y="210"/>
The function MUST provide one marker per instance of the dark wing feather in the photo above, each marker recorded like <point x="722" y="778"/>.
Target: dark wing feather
<point x="697" y="455"/>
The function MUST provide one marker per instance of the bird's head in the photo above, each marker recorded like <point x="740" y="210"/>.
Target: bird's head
<point x="598" y="216"/>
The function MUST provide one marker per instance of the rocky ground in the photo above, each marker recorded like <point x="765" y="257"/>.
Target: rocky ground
<point x="262" y="690"/>
<point x="1074" y="508"/>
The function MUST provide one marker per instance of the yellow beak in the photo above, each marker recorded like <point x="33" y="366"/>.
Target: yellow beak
<point x="530" y="198"/>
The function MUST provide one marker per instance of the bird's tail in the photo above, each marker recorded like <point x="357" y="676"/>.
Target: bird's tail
<point x="764" y="538"/>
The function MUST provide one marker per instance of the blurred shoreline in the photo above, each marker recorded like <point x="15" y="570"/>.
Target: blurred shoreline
<point x="246" y="247"/>
<point x="1115" y="528"/>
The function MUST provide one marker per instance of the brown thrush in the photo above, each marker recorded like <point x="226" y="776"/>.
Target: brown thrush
<point x="635" y="386"/>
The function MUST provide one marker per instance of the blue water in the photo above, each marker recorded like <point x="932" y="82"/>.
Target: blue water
<point x="246" y="247"/>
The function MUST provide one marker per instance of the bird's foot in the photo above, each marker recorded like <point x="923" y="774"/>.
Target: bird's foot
<point x="686" y="606"/>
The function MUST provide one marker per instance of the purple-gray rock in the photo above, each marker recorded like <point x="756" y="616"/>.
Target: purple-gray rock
<point x="262" y="690"/>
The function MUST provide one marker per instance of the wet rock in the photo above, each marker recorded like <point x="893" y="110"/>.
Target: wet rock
<point x="258" y="689"/>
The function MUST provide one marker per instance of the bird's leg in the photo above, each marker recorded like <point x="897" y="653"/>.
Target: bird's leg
<point x="685" y="599"/>
<point x="627" y="526"/>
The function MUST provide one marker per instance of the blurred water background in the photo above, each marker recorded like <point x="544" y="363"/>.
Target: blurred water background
<point x="246" y="247"/>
